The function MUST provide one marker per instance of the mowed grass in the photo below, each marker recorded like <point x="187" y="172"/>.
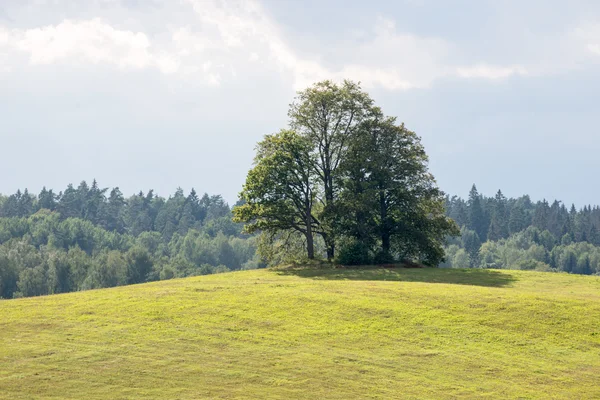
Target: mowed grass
<point x="312" y="334"/>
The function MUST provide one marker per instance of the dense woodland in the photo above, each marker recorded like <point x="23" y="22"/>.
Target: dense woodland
<point x="88" y="237"/>
<point x="497" y="232"/>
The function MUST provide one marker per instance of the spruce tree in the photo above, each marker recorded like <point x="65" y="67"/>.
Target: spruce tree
<point x="499" y="224"/>
<point x="477" y="220"/>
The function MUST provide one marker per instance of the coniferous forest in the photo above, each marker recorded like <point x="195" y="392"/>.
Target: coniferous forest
<point x="518" y="233"/>
<point x="88" y="237"/>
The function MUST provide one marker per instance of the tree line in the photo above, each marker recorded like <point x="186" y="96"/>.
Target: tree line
<point x="139" y="213"/>
<point x="500" y="232"/>
<point x="81" y="238"/>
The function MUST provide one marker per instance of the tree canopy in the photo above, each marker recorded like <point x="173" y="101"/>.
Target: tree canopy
<point x="90" y="237"/>
<point x="347" y="175"/>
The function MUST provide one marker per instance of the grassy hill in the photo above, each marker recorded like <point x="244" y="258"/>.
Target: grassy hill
<point x="335" y="334"/>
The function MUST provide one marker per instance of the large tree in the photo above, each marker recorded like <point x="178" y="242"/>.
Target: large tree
<point x="280" y="189"/>
<point x="328" y="114"/>
<point x="390" y="198"/>
<point x="344" y="170"/>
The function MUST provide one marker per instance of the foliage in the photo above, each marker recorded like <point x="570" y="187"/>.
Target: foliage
<point x="106" y="242"/>
<point x="350" y="175"/>
<point x="354" y="252"/>
<point x="524" y="235"/>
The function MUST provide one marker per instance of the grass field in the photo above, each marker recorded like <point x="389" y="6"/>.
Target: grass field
<point x="313" y="334"/>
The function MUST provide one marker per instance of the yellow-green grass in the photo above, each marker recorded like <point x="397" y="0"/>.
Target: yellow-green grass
<point x="313" y="334"/>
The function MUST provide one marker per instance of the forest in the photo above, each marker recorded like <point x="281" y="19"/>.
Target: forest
<point x="518" y="233"/>
<point x="88" y="237"/>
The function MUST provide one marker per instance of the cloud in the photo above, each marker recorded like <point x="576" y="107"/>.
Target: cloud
<point x="386" y="58"/>
<point x="222" y="41"/>
<point x="589" y="35"/>
<point x="91" y="41"/>
<point x="245" y="32"/>
<point x="491" y="72"/>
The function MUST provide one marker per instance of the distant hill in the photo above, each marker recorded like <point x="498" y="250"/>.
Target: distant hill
<point x="308" y="333"/>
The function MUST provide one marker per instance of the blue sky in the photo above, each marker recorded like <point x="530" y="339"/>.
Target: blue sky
<point x="159" y="94"/>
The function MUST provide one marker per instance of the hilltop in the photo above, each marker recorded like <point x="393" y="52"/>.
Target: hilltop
<point x="308" y="333"/>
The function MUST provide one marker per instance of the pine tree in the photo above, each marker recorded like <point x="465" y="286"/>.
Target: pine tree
<point x="46" y="199"/>
<point x="517" y="220"/>
<point x="69" y="204"/>
<point x="498" y="225"/>
<point x="542" y="215"/>
<point x="112" y="211"/>
<point x="477" y="220"/>
<point x="25" y="205"/>
<point x="95" y="199"/>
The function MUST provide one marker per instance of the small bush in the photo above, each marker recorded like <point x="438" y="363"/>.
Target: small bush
<point x="354" y="253"/>
<point x="383" y="257"/>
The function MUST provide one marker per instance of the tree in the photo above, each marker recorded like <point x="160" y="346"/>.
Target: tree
<point x="461" y="259"/>
<point x="542" y="215"/>
<point x="140" y="215"/>
<point x="389" y="196"/>
<point x="59" y="273"/>
<point x="112" y="211"/>
<point x="498" y="225"/>
<point x="280" y="189"/>
<point x="327" y="115"/>
<point x="139" y="265"/>
<point x="46" y="199"/>
<point x="9" y="276"/>
<point x="109" y="271"/>
<point x="345" y="171"/>
<point x="10" y="207"/>
<point x="477" y="220"/>
<point x="518" y="219"/>
<point x="26" y="207"/>
<point x="32" y="281"/>
<point x="471" y="244"/>
<point x="94" y="199"/>
<point x="195" y="210"/>
<point x="69" y="204"/>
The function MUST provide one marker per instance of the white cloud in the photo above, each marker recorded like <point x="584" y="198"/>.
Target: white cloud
<point x="245" y="32"/>
<point x="91" y="41"/>
<point x="589" y="35"/>
<point x="388" y="59"/>
<point x="226" y="40"/>
<point x="484" y="71"/>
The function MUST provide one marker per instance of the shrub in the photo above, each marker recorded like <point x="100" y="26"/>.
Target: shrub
<point x="354" y="253"/>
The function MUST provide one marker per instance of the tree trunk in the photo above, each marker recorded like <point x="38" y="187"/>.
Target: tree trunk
<point x="330" y="251"/>
<point x="385" y="242"/>
<point x="384" y="228"/>
<point x="310" y="242"/>
<point x="330" y="246"/>
<point x="310" y="247"/>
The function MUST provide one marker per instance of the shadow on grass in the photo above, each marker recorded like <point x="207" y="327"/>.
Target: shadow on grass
<point x="474" y="277"/>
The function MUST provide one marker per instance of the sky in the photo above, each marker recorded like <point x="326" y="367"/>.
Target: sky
<point x="160" y="94"/>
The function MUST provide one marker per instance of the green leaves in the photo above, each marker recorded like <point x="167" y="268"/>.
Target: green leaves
<point x="345" y="171"/>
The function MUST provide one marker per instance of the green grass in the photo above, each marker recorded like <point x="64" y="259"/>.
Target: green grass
<point x="302" y="333"/>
